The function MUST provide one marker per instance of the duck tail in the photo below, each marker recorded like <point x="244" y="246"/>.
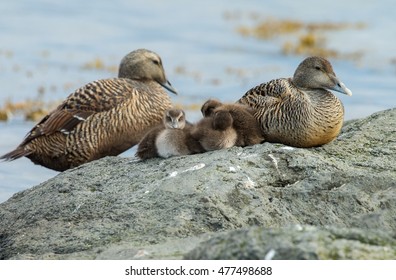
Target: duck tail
<point x="15" y="154"/>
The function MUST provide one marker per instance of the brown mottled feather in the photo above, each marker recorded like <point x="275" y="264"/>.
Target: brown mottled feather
<point x="300" y="111"/>
<point x="102" y="118"/>
<point x="95" y="97"/>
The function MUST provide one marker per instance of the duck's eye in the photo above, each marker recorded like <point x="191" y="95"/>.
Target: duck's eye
<point x="318" y="68"/>
<point x="156" y="62"/>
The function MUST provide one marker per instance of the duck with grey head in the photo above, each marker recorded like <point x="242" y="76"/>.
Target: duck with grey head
<point x="102" y="118"/>
<point x="300" y="111"/>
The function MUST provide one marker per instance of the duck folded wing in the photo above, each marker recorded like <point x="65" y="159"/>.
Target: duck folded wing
<point x="93" y="98"/>
<point x="277" y="89"/>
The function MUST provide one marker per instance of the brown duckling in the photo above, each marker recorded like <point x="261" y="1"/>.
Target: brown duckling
<point x="244" y="122"/>
<point x="172" y="138"/>
<point x="216" y="131"/>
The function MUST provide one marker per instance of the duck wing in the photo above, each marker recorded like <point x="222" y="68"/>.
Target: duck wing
<point x="95" y="97"/>
<point x="273" y="90"/>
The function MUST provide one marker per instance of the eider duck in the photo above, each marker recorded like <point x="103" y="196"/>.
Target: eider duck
<point x="216" y="131"/>
<point x="243" y="121"/>
<point x="102" y="118"/>
<point x="172" y="138"/>
<point x="300" y="111"/>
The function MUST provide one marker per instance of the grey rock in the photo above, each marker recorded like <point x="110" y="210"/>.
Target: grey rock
<point x="298" y="243"/>
<point x="120" y="208"/>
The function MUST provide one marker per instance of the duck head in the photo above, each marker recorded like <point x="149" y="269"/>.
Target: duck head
<point x="317" y="73"/>
<point x="144" y="65"/>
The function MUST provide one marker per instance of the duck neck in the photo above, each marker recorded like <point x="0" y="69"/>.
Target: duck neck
<point x="315" y="95"/>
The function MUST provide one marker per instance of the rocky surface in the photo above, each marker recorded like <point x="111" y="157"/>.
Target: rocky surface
<point x="234" y="203"/>
<point x="302" y="243"/>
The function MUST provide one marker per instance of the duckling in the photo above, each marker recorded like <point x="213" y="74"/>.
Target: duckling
<point x="172" y="138"/>
<point x="300" y="111"/>
<point x="102" y="118"/>
<point x="244" y="122"/>
<point x="216" y="131"/>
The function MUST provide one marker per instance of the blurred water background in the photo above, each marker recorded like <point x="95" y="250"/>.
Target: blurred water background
<point x="209" y="49"/>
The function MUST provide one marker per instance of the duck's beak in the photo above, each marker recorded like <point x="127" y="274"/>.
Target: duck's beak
<point x="168" y="86"/>
<point x="340" y="87"/>
<point x="175" y="124"/>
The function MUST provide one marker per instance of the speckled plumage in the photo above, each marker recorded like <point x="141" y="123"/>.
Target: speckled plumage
<point x="300" y="111"/>
<point x="172" y="138"/>
<point x="102" y="118"/>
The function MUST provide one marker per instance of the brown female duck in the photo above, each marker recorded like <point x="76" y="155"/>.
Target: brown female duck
<point x="300" y="111"/>
<point x="102" y="118"/>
